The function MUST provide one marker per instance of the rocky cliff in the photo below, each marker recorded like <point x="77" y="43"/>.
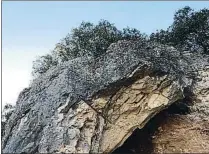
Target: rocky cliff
<point x="89" y="105"/>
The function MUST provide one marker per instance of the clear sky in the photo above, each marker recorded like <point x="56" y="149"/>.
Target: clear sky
<point x="33" y="28"/>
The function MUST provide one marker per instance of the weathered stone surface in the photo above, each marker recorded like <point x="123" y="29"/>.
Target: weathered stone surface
<point x="187" y="133"/>
<point x="131" y="107"/>
<point x="181" y="134"/>
<point x="181" y="128"/>
<point x="83" y="104"/>
<point x="200" y="109"/>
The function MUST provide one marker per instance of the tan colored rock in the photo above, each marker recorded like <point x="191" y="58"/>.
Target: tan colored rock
<point x="132" y="107"/>
<point x="181" y="134"/>
<point x="117" y="116"/>
<point x="187" y="133"/>
<point x="110" y="120"/>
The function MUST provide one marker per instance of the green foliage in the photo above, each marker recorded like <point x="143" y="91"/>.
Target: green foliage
<point x="43" y="63"/>
<point x="133" y="34"/>
<point x="92" y="39"/>
<point x="87" y="39"/>
<point x="189" y="31"/>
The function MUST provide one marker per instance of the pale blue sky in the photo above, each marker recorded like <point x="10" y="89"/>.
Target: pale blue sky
<point x="33" y="28"/>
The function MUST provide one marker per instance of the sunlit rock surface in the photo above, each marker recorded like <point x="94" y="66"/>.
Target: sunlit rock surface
<point x="93" y="105"/>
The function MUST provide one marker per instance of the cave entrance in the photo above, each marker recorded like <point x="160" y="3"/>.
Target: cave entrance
<point x="141" y="139"/>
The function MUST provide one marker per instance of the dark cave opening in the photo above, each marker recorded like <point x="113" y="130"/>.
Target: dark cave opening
<point x="141" y="139"/>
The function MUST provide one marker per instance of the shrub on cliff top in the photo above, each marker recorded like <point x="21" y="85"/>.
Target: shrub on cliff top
<point x="87" y="39"/>
<point x="189" y="31"/>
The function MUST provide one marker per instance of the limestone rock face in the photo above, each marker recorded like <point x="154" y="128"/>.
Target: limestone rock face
<point x="187" y="133"/>
<point x="131" y="107"/>
<point x="93" y="105"/>
<point x="201" y="92"/>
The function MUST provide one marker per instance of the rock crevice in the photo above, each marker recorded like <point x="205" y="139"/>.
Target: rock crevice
<point x="88" y="109"/>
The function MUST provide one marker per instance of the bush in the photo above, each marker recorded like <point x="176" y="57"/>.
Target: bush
<point x="43" y="63"/>
<point x="87" y="39"/>
<point x="189" y="31"/>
